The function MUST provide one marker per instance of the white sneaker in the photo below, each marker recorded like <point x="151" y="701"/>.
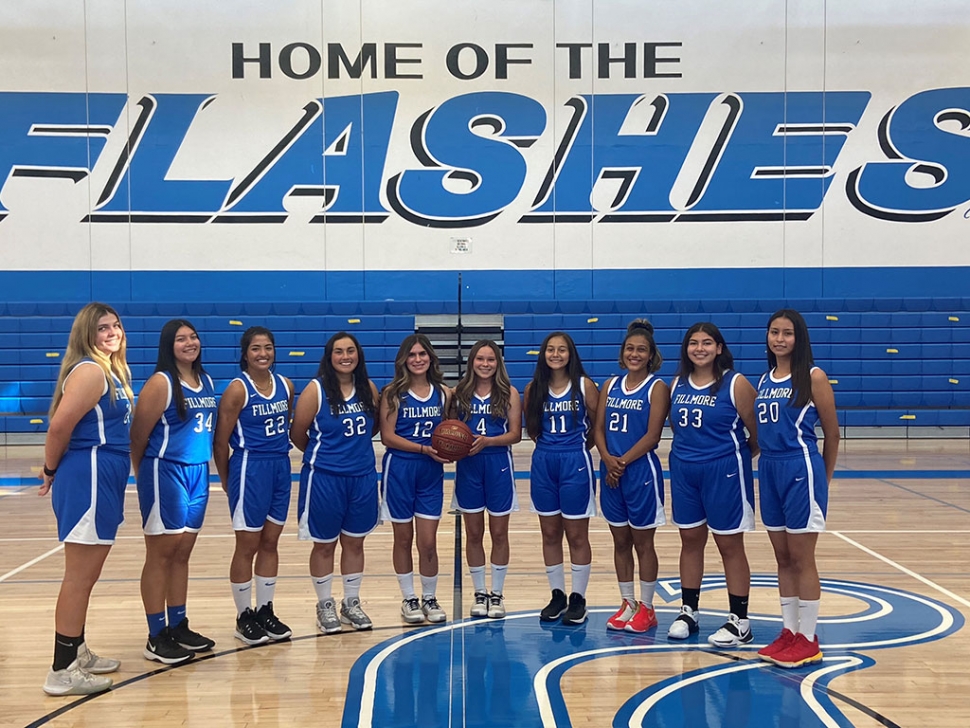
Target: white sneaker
<point x="93" y="663"/>
<point x="74" y="680"/>
<point x="411" y="611"/>
<point x="480" y="605"/>
<point x="732" y="633"/>
<point x="432" y="610"/>
<point x="685" y="625"/>
<point x="327" y="620"/>
<point x="496" y="606"/>
<point x="352" y="614"/>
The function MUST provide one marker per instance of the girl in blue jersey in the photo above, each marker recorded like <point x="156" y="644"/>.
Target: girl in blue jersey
<point x="334" y="425"/>
<point x="171" y="445"/>
<point x="793" y="397"/>
<point x="711" y="485"/>
<point x="631" y="415"/>
<point x="412" y="405"/>
<point x="86" y="468"/>
<point x="254" y="420"/>
<point x="485" y="479"/>
<point x="560" y="405"/>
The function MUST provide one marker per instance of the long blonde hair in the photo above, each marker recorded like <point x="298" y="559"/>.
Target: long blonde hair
<point x="501" y="386"/>
<point x="81" y="345"/>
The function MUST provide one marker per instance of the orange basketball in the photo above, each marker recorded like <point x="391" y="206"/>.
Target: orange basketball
<point x="452" y="440"/>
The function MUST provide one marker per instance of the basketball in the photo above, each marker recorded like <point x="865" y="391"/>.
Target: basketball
<point x="452" y="440"/>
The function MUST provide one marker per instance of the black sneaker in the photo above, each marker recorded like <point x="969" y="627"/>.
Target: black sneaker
<point x="273" y="627"/>
<point x="163" y="648"/>
<point x="190" y="640"/>
<point x="555" y="608"/>
<point x="576" y="612"/>
<point x="249" y="630"/>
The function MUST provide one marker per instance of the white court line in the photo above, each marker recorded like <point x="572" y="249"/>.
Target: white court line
<point x="31" y="563"/>
<point x="900" y="567"/>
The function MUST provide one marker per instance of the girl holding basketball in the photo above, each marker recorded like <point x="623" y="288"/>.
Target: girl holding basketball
<point x="711" y="484"/>
<point x="631" y="415"/>
<point x="412" y="405"/>
<point x="333" y="426"/>
<point x="793" y="397"/>
<point x="485" y="479"/>
<point x="560" y="406"/>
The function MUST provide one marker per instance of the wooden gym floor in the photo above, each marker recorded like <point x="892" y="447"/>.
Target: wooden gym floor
<point x="897" y="591"/>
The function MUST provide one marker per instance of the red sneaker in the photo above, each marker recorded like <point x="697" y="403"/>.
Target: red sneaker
<point x="644" y="618"/>
<point x="782" y="642"/>
<point x="623" y="615"/>
<point x="799" y="652"/>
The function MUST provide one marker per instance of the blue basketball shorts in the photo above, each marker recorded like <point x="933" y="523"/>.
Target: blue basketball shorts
<point x="563" y="483"/>
<point x="794" y="493"/>
<point x="331" y="504"/>
<point x="638" y="499"/>
<point x="259" y="490"/>
<point x="718" y="492"/>
<point x="486" y="481"/>
<point x="411" y="487"/>
<point x="172" y="496"/>
<point x="88" y="495"/>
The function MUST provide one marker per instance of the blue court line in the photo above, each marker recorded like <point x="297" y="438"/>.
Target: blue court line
<point x="15" y="481"/>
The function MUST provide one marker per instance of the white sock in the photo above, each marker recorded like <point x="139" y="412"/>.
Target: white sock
<point x="406" y="582"/>
<point x="265" y="589"/>
<point x="498" y="577"/>
<point x="323" y="586"/>
<point x="647" y="590"/>
<point x="429" y="585"/>
<point x="580" y="577"/>
<point x="789" y="613"/>
<point x="808" y="617"/>
<point x="242" y="595"/>
<point x="478" y="577"/>
<point x="352" y="586"/>
<point x="557" y="577"/>
<point x="626" y="591"/>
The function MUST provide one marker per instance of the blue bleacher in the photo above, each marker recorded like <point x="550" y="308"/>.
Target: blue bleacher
<point x="892" y="361"/>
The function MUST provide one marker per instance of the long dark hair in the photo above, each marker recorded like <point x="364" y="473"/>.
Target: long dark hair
<point x="501" y="386"/>
<point x="331" y="384"/>
<point x="722" y="363"/>
<point x="642" y="327"/>
<point x="539" y="389"/>
<point x="802" y="360"/>
<point x="166" y="362"/>
<point x="402" y="375"/>
<point x="247" y="338"/>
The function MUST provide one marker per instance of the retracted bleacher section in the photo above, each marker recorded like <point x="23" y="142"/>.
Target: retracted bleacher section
<point x="902" y="365"/>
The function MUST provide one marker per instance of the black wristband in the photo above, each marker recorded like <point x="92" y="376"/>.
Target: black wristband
<point x="48" y="472"/>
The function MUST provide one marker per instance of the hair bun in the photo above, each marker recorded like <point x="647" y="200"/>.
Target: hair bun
<point x="639" y="325"/>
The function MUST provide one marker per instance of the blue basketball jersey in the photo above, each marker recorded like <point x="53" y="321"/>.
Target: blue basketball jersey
<point x="264" y="422"/>
<point x="341" y="443"/>
<point x="187" y="441"/>
<point x="706" y="426"/>
<point x="417" y="418"/>
<point x="783" y="430"/>
<point x="627" y="413"/>
<point x="565" y="424"/>
<point x="481" y="422"/>
<point x="107" y="423"/>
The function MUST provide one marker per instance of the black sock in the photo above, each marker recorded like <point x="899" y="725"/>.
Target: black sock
<point x="739" y="605"/>
<point x="65" y="650"/>
<point x="690" y="597"/>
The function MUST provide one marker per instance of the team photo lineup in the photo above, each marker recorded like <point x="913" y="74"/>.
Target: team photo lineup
<point x="98" y="432"/>
<point x="506" y="364"/>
